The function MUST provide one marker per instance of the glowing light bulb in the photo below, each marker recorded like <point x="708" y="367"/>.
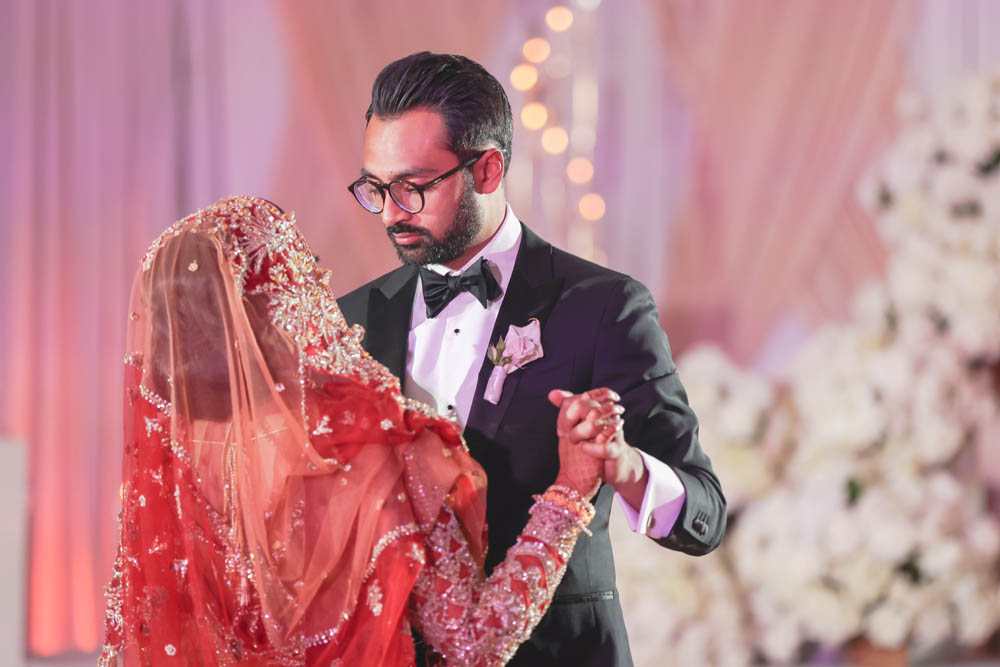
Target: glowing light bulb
<point x="536" y="50"/>
<point x="555" y="140"/>
<point x="580" y="170"/>
<point x="592" y="206"/>
<point x="523" y="77"/>
<point x="534" y="115"/>
<point x="559" y="18"/>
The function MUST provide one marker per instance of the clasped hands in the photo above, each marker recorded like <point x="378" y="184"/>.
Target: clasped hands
<point x="592" y="447"/>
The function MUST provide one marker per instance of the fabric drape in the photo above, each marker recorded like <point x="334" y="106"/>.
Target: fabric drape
<point x="790" y="102"/>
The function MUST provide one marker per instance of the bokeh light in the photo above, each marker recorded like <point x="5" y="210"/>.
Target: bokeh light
<point x="559" y="18"/>
<point x="592" y="206"/>
<point x="555" y="140"/>
<point x="534" y="115"/>
<point x="523" y="77"/>
<point x="580" y="170"/>
<point x="536" y="50"/>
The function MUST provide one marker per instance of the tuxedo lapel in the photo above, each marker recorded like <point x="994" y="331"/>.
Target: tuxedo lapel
<point x="531" y="293"/>
<point x="389" y="310"/>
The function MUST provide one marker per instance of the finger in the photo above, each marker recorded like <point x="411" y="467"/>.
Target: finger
<point x="567" y="416"/>
<point x="605" y="451"/>
<point x="570" y="414"/>
<point x="557" y="396"/>
<point x="589" y="430"/>
<point x="602" y="394"/>
<point x="604" y="411"/>
<point x="611" y="429"/>
<point x="578" y="408"/>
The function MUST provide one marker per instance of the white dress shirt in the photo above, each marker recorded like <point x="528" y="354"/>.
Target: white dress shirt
<point x="444" y="355"/>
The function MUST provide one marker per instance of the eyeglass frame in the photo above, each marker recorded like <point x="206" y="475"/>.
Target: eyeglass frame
<point x="384" y="188"/>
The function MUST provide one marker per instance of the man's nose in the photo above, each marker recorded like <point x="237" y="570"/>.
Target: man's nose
<point x="392" y="213"/>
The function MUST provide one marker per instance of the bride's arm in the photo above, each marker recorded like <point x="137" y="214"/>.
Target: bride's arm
<point x="470" y="621"/>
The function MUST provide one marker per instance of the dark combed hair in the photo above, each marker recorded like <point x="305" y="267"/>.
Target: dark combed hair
<point x="471" y="102"/>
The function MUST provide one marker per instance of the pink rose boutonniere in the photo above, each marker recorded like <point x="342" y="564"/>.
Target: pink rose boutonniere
<point x="520" y="346"/>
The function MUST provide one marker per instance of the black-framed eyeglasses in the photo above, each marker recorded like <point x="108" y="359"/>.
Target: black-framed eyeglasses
<point x="408" y="196"/>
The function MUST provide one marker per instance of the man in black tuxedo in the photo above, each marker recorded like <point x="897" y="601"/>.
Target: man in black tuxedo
<point x="437" y="146"/>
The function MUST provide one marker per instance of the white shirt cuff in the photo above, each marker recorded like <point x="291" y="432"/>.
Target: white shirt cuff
<point x="661" y="503"/>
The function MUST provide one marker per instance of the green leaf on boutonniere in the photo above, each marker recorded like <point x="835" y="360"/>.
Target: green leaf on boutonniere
<point x="495" y="353"/>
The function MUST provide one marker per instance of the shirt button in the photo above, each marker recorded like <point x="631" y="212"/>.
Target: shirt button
<point x="451" y="407"/>
<point x="456" y="330"/>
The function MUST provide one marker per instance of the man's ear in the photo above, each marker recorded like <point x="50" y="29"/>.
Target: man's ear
<point x="488" y="172"/>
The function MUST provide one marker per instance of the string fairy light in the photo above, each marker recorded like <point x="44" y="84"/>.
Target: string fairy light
<point x="580" y="170"/>
<point x="558" y="78"/>
<point x="554" y="140"/>
<point x="524" y="76"/>
<point x="536" y="50"/>
<point x="559" y="18"/>
<point x="534" y="116"/>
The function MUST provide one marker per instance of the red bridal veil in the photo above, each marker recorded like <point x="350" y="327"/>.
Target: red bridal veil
<point x="275" y="480"/>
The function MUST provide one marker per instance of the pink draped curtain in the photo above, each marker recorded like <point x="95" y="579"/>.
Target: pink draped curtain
<point x="790" y="101"/>
<point x="98" y="148"/>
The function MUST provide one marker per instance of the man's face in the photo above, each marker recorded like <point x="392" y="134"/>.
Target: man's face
<point x="413" y="147"/>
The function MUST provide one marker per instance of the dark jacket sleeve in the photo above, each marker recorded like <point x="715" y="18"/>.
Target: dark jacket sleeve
<point x="632" y="356"/>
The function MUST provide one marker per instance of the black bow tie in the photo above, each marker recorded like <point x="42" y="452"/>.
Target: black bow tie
<point x="440" y="290"/>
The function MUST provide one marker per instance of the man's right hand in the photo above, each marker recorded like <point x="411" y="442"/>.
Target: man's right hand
<point x="591" y="417"/>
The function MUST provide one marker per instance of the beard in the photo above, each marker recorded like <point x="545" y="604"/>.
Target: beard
<point x="462" y="231"/>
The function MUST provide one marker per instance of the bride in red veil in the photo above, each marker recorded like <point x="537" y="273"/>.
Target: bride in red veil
<point x="283" y="503"/>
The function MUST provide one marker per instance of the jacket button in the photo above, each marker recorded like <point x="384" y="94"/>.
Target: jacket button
<point x="699" y="526"/>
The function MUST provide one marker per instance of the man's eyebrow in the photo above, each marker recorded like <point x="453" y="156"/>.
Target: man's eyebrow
<point x="401" y="176"/>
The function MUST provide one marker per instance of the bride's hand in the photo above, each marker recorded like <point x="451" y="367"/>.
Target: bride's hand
<point x="592" y="417"/>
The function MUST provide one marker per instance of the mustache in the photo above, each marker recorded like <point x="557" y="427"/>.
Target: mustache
<point x="403" y="228"/>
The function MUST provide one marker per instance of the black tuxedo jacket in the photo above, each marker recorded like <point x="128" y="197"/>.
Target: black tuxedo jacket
<point x="599" y="328"/>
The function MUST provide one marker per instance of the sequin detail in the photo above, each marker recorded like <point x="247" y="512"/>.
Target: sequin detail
<point x="375" y="597"/>
<point x="154" y="399"/>
<point x="484" y="623"/>
<point x="387" y="539"/>
<point x="323" y="427"/>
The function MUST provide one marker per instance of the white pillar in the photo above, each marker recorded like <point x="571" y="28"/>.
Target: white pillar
<point x="13" y="551"/>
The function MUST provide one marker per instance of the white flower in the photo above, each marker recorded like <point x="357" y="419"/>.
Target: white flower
<point x="828" y="617"/>
<point x="977" y="609"/>
<point x="932" y="627"/>
<point x="984" y="539"/>
<point x="888" y="625"/>
<point x="939" y="559"/>
<point x="781" y="641"/>
<point x="863" y="578"/>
